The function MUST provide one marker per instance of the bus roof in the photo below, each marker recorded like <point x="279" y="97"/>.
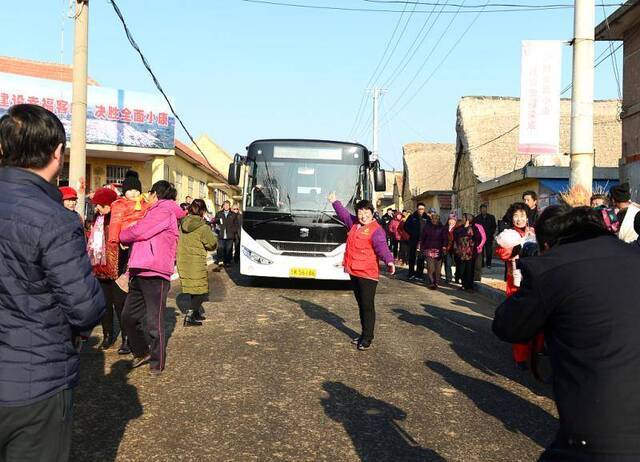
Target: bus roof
<point x="300" y="140"/>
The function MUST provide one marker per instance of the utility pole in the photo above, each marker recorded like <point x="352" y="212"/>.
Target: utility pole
<point x="376" y="94"/>
<point x="78" y="154"/>
<point x="582" y="96"/>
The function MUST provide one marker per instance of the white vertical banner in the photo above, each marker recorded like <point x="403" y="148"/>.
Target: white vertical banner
<point x="540" y="97"/>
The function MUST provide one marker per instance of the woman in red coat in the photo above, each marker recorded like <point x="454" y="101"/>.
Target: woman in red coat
<point x="506" y="250"/>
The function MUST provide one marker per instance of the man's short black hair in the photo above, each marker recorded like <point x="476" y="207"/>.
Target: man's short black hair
<point x="421" y="204"/>
<point x="560" y="224"/>
<point x="533" y="195"/>
<point x="364" y="205"/>
<point x="483" y="206"/>
<point x="29" y="135"/>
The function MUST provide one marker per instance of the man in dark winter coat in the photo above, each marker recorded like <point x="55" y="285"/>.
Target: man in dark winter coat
<point x="48" y="294"/>
<point x="226" y="223"/>
<point x="488" y="223"/>
<point x="580" y="293"/>
<point x="531" y="199"/>
<point x="415" y="227"/>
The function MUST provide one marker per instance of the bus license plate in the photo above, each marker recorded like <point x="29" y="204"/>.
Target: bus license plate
<point x="305" y="273"/>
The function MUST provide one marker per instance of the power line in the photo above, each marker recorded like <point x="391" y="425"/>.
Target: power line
<point x="453" y="47"/>
<point x="614" y="61"/>
<point x="413" y="49"/>
<point x="356" y="123"/>
<point x="494" y="5"/>
<point x="155" y="80"/>
<point x="387" y="10"/>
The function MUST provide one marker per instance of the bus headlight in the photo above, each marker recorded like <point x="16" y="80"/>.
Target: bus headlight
<point x="255" y="257"/>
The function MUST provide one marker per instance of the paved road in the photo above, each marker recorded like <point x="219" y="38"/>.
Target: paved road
<point x="272" y="376"/>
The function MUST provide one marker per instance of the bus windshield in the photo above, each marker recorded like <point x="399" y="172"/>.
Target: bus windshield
<point x="294" y="179"/>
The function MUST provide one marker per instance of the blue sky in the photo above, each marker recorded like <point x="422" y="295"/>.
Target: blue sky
<point x="240" y="71"/>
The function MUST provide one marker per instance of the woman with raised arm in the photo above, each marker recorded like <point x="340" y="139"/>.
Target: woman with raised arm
<point x="366" y="244"/>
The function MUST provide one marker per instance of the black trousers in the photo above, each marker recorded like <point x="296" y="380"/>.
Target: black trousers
<point x="468" y="270"/>
<point x="145" y="306"/>
<point x="195" y="304"/>
<point x="236" y="249"/>
<point x="225" y="251"/>
<point x="115" y="299"/>
<point x="487" y="252"/>
<point x="39" y="432"/>
<point x="458" y="273"/>
<point x="394" y="247"/>
<point x="416" y="260"/>
<point x="365" y="292"/>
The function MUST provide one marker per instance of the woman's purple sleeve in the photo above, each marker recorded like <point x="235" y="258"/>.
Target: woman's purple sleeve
<point x="379" y="243"/>
<point x="344" y="215"/>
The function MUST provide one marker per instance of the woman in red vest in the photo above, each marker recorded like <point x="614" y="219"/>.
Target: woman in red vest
<point x="366" y="244"/>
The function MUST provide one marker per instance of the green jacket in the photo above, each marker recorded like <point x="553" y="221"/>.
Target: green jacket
<point x="196" y="239"/>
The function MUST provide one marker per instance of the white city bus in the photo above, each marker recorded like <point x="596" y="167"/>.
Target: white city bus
<point x="289" y="228"/>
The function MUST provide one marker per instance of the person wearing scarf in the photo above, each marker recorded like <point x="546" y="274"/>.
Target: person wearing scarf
<point x="104" y="259"/>
<point x="507" y="250"/>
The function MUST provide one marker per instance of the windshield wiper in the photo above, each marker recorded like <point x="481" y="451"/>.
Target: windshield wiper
<point x="274" y="218"/>
<point x="323" y="213"/>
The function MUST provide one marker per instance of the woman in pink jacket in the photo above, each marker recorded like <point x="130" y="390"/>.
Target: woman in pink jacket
<point x="151" y="264"/>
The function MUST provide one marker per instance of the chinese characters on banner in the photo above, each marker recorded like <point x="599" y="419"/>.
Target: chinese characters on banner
<point x="116" y="117"/>
<point x="540" y="97"/>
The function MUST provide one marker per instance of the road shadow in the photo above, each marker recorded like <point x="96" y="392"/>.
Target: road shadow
<point x="516" y="414"/>
<point x="284" y="283"/>
<point x="470" y="337"/>
<point x="314" y="311"/>
<point x="373" y="426"/>
<point x="104" y="405"/>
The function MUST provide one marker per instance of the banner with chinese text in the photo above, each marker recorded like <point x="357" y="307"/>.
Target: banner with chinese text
<point x="116" y="117"/>
<point x="540" y="97"/>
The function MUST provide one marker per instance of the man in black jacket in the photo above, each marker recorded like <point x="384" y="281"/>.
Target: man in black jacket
<point x="226" y="223"/>
<point x="48" y="294"/>
<point x="580" y="292"/>
<point x="414" y="227"/>
<point x="488" y="223"/>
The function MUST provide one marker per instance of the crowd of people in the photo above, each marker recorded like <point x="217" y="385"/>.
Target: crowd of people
<point x="63" y="272"/>
<point x="570" y="272"/>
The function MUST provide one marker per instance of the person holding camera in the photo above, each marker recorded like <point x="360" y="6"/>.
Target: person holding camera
<point x="579" y="291"/>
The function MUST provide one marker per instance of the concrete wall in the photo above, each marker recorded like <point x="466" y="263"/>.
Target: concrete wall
<point x="498" y="201"/>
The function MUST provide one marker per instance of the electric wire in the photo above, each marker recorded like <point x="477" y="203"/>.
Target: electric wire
<point x="387" y="10"/>
<point x="156" y="82"/>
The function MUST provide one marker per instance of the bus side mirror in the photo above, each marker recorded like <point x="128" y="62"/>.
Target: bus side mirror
<point x="234" y="171"/>
<point x="379" y="180"/>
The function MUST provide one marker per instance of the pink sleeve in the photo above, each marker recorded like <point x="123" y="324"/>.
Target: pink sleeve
<point x="483" y="237"/>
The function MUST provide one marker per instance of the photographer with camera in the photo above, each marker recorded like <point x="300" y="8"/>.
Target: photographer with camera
<point x="579" y="291"/>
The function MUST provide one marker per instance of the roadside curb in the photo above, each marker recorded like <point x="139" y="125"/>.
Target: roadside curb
<point x="493" y="294"/>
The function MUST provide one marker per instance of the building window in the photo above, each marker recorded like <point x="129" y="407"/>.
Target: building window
<point x="190" y="187"/>
<point x="166" y="173"/>
<point x="179" y="185"/>
<point x="203" y="190"/>
<point x="116" y="173"/>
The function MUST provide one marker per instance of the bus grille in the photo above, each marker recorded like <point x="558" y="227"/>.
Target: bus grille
<point x="307" y="248"/>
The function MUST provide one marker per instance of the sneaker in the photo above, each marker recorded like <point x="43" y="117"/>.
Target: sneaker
<point x="364" y="345"/>
<point x="433" y="287"/>
<point x="155" y="372"/>
<point x="356" y="340"/>
<point x="140" y="360"/>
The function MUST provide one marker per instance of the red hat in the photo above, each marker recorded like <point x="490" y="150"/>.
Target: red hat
<point x="68" y="193"/>
<point x="104" y="197"/>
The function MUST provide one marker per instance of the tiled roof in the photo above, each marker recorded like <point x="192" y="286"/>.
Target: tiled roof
<point x="198" y="159"/>
<point x="40" y="69"/>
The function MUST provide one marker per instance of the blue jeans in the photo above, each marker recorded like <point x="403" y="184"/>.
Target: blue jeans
<point x="448" y="265"/>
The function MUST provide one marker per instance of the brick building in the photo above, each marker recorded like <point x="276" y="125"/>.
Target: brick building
<point x="487" y="139"/>
<point x="624" y="24"/>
